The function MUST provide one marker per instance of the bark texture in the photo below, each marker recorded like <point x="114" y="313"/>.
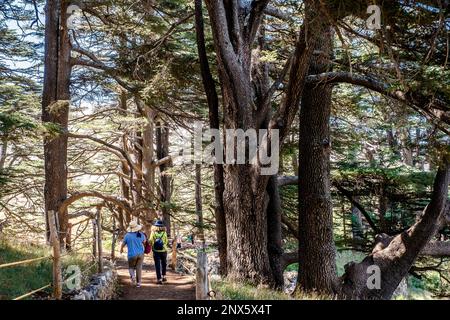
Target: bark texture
<point x="317" y="271"/>
<point x="246" y="106"/>
<point x="55" y="109"/>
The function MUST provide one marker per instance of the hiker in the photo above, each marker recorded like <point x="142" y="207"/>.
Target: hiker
<point x="159" y="242"/>
<point x="134" y="240"/>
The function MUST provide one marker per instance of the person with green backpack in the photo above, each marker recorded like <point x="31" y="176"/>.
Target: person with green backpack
<point x="159" y="242"/>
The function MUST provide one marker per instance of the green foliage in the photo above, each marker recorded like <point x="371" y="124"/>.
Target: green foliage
<point x="3" y="178"/>
<point x="13" y="123"/>
<point x="239" y="291"/>
<point x="16" y="281"/>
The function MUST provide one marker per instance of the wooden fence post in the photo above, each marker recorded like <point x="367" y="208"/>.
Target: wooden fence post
<point x="202" y="288"/>
<point x="99" y="239"/>
<point x="173" y="263"/>
<point x="54" y="240"/>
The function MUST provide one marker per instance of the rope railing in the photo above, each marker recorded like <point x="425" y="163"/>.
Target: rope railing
<point x="26" y="295"/>
<point x="32" y="292"/>
<point x="17" y="263"/>
<point x="57" y="256"/>
<point x="22" y="262"/>
<point x="28" y="261"/>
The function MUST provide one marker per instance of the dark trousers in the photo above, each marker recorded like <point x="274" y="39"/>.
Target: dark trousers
<point x="160" y="259"/>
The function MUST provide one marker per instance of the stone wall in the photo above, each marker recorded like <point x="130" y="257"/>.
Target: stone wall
<point x="102" y="286"/>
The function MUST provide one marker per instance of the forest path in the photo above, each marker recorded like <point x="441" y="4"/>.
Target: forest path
<point x="177" y="287"/>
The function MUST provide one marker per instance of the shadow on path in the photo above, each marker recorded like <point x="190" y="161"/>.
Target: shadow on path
<point x="177" y="287"/>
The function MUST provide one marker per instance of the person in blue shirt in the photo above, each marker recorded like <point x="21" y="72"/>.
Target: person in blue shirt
<point x="134" y="240"/>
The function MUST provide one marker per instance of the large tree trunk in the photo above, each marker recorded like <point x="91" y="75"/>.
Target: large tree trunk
<point x="245" y="207"/>
<point x="246" y="105"/>
<point x="55" y="109"/>
<point x="395" y="257"/>
<point x="214" y="123"/>
<point x="317" y="271"/>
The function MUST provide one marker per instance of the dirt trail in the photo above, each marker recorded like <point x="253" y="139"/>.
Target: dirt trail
<point x="177" y="287"/>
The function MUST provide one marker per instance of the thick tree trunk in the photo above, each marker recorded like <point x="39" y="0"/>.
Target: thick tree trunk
<point x="244" y="197"/>
<point x="396" y="257"/>
<point x="214" y="123"/>
<point x="55" y="109"/>
<point x="246" y="105"/>
<point x="245" y="205"/>
<point x="317" y="270"/>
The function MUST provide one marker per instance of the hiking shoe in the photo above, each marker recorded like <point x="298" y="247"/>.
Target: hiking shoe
<point x="164" y="279"/>
<point x="159" y="282"/>
<point x="138" y="285"/>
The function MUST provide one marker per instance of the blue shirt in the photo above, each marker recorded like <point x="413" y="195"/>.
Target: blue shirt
<point x="134" y="244"/>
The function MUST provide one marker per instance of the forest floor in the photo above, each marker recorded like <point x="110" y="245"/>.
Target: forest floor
<point x="177" y="287"/>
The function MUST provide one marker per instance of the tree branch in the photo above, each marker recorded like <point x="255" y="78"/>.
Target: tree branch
<point x="277" y="13"/>
<point x="79" y="195"/>
<point x="366" y="215"/>
<point x="429" y="104"/>
<point x="287" y="180"/>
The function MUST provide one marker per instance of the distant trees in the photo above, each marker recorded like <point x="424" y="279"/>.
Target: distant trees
<point x="136" y="52"/>
<point x="19" y="107"/>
